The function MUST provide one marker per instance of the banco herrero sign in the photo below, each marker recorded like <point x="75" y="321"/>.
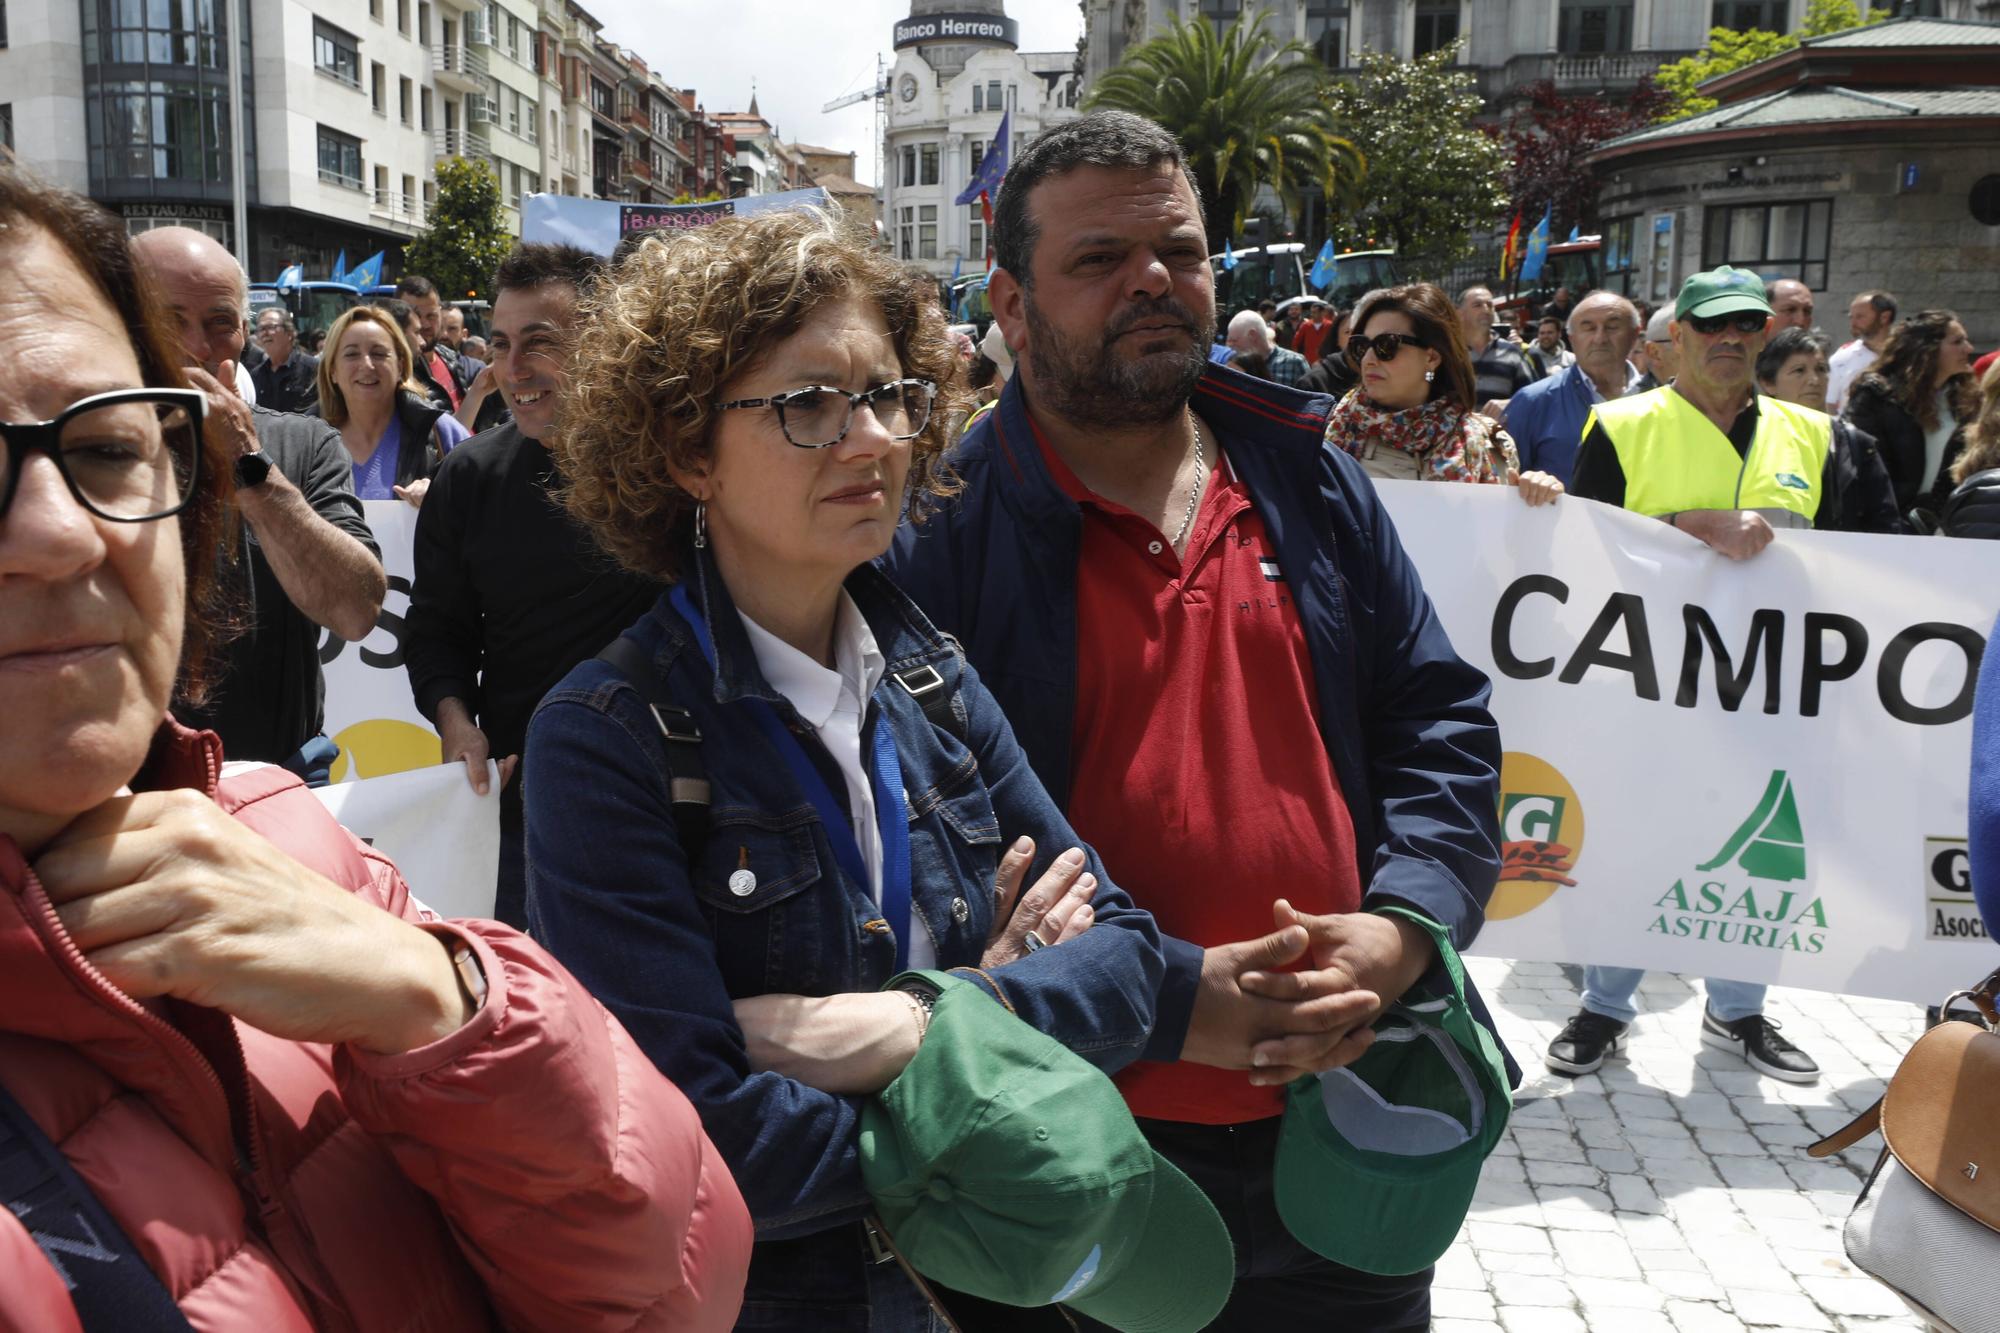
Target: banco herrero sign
<point x="994" y="28"/>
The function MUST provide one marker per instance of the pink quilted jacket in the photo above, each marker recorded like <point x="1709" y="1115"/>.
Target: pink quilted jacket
<point x="530" y="1171"/>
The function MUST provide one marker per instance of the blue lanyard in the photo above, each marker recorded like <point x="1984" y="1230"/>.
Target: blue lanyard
<point x="892" y="820"/>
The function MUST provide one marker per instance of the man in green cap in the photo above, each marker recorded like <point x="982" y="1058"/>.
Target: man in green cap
<point x="1729" y="466"/>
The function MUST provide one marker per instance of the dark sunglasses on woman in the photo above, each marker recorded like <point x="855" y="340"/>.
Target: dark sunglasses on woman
<point x="1743" y="321"/>
<point x="1387" y="346"/>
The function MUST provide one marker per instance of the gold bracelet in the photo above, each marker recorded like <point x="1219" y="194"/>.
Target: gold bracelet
<point x="921" y="1012"/>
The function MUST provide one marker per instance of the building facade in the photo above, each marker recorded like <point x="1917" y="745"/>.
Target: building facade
<point x="957" y="74"/>
<point x="1863" y="159"/>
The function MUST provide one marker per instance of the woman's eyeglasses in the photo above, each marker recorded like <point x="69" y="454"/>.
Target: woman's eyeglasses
<point x="1745" y="322"/>
<point x="1386" y="346"/>
<point x="129" y="456"/>
<point x="818" y="417"/>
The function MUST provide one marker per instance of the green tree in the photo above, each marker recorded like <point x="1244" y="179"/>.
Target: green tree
<point x="467" y="238"/>
<point x="1248" y="110"/>
<point x="1434" y="177"/>
<point x="1728" y="51"/>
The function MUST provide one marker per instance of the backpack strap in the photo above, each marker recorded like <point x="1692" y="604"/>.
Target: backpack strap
<point x="687" y="774"/>
<point x="926" y="684"/>
<point x="109" y="1284"/>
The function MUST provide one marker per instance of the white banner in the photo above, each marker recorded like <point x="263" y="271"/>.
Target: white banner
<point x="370" y="713"/>
<point x="1754" y="771"/>
<point x="442" y="835"/>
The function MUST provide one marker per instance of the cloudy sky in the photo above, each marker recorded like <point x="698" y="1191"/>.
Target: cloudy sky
<point x="802" y="54"/>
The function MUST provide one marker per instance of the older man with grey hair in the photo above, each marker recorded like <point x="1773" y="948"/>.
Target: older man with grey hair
<point x="1254" y="350"/>
<point x="1657" y="359"/>
<point x="307" y="558"/>
<point x="1546" y="418"/>
<point x="287" y="379"/>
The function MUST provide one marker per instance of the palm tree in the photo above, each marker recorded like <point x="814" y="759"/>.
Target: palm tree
<point x="1249" y="111"/>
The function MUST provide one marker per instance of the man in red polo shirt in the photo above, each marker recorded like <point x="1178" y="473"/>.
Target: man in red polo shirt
<point x="1219" y="660"/>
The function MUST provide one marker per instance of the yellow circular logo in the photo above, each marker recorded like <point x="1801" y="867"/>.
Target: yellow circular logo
<point x="384" y="745"/>
<point x="1541" y="835"/>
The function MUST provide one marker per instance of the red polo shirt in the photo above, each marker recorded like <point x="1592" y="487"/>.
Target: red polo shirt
<point x="1312" y="335"/>
<point x="1199" y="774"/>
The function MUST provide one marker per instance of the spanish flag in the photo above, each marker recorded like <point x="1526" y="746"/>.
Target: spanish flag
<point x="1508" y="261"/>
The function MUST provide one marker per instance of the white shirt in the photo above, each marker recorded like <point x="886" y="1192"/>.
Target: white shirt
<point x="1845" y="366"/>
<point x="246" y="385"/>
<point x="834" y="704"/>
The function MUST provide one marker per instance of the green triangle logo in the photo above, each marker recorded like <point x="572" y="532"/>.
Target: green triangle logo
<point x="1769" y="844"/>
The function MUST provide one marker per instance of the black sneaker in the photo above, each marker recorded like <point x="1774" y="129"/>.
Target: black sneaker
<point x="1584" y="1042"/>
<point x="1756" y="1039"/>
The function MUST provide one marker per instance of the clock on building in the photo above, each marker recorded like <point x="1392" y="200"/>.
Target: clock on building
<point x="908" y="87"/>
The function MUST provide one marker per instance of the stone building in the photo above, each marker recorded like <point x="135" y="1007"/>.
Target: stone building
<point x="1862" y="159"/>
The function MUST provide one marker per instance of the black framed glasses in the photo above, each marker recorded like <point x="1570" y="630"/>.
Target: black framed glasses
<point x="1386" y="346"/>
<point x="818" y="417"/>
<point x="130" y="456"/>
<point x="1745" y="322"/>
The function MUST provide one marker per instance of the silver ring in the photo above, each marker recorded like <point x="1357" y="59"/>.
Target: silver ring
<point x="1031" y="942"/>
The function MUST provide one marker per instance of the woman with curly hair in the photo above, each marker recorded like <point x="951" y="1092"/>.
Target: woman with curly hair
<point x="782" y="787"/>
<point x="1411" y="417"/>
<point x="1915" y="402"/>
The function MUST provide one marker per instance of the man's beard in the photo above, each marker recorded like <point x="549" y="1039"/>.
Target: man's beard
<point x="1085" y="383"/>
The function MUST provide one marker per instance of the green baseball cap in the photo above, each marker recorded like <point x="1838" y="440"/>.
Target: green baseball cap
<point x="1006" y="1166"/>
<point x="1377" y="1161"/>
<point x="1721" y="291"/>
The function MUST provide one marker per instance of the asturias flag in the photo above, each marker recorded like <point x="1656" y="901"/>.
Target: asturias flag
<point x="1326" y="267"/>
<point x="992" y="167"/>
<point x="369" y="272"/>
<point x="1538" y="248"/>
<point x="339" y="273"/>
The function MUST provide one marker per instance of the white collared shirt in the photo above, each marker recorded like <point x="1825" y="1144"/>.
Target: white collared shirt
<point x="834" y="704"/>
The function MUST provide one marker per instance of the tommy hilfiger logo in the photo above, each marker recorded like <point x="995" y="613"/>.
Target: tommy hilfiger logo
<point x="1272" y="574"/>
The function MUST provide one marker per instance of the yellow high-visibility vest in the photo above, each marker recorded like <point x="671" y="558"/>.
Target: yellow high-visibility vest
<point x="1675" y="459"/>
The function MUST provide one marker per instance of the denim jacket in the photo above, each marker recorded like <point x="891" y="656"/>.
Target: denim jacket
<point x="1403" y="718"/>
<point x="660" y="938"/>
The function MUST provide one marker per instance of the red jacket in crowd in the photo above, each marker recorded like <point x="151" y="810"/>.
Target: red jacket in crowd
<point x="530" y="1171"/>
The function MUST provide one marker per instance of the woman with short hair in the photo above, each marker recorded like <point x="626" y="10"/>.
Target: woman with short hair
<point x="1915" y="402"/>
<point x="369" y="392"/>
<point x="1793" y="369"/>
<point x="752" y="408"/>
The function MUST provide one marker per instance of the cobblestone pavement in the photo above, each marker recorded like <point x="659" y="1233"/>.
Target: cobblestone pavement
<point x="1670" y="1192"/>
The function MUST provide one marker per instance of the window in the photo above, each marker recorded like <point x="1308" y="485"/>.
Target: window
<point x="993" y="95"/>
<point x="978" y="97"/>
<point x="405" y="96"/>
<point x="424" y="24"/>
<point x="1437" y="26"/>
<point x="930" y="165"/>
<point x="424" y="110"/>
<point x="403" y="17"/>
<point x="1326" y="32"/>
<point x="1587" y="28"/>
<point x="927" y="232"/>
<point x="160" y="131"/>
<point x="1620" y="267"/>
<point x="7" y="126"/>
<point x="601" y="100"/>
<point x="513" y="37"/>
<point x="1787" y="240"/>
<point x="339" y="158"/>
<point x="378" y="85"/>
<point x="909" y="169"/>
<point x="975" y="157"/>
<point x="408" y="200"/>
<point x="1221" y="12"/>
<point x="975" y="230"/>
<point x="375" y="10"/>
<point x="381" y="187"/>
<point x="337" y="53"/>
<point x="1918" y="9"/>
<point x="1744" y="15"/>
<point x="907" y="234"/>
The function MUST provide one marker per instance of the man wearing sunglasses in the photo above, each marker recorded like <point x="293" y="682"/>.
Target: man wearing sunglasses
<point x="1727" y="465"/>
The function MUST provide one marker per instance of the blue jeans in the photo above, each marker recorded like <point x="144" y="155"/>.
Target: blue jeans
<point x="1608" y="991"/>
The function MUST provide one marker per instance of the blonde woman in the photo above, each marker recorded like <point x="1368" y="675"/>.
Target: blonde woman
<point x="1973" y="510"/>
<point x="368" y="391"/>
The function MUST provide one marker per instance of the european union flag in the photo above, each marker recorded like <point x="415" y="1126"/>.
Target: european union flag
<point x="992" y="168"/>
<point x="1326" y="268"/>
<point x="1538" y="248"/>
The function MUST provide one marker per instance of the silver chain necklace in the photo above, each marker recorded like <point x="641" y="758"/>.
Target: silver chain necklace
<point x="1200" y="481"/>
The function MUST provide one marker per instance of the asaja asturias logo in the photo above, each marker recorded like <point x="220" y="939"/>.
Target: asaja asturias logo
<point x="1541" y="835"/>
<point x="1738" y="896"/>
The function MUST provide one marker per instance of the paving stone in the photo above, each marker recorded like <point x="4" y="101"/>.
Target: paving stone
<point x="1634" y="1194"/>
<point x="1547" y="1145"/>
<point x="1729" y="1142"/>
<point x="1853" y="1296"/>
<point x="1542" y="1321"/>
<point x="1563" y="1173"/>
<point x="1517" y="1289"/>
<point x="1619" y="1294"/>
<point x="1684" y="1284"/>
<point x="1753" y="1173"/>
<point x="1465" y="1326"/>
<point x="1615" y="1160"/>
<point x="1595" y="1254"/>
<point x="1508" y="1238"/>
<point x="1701" y="1317"/>
<point x="1772" y="1307"/>
<point x="1601" y="1134"/>
<point x="1447" y="1304"/>
<point x="1458" y="1270"/>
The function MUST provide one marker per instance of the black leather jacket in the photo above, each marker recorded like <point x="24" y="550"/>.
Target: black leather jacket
<point x="1973" y="508"/>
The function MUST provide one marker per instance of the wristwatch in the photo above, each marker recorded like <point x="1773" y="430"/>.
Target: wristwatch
<point x="252" y="469"/>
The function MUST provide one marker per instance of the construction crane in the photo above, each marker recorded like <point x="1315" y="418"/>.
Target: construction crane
<point x="880" y="95"/>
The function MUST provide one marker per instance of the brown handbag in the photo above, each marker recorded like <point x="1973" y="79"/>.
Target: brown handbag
<point x="1931" y="1208"/>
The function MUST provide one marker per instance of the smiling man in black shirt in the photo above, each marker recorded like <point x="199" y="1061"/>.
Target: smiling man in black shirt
<point x="510" y="594"/>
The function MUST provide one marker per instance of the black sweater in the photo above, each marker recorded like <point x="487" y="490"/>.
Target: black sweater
<point x="510" y="593"/>
<point x="1901" y="437"/>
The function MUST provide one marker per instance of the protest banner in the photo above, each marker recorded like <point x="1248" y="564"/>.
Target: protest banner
<point x="599" y="224"/>
<point x="1749" y="770"/>
<point x="442" y="835"/>
<point x="370" y="713"/>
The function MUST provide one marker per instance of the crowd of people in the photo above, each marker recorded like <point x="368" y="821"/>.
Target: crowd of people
<point x="867" y="743"/>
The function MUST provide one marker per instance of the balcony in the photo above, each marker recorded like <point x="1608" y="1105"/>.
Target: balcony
<point x="458" y="143"/>
<point x="451" y="7"/>
<point x="635" y="118"/>
<point x="398" y="209"/>
<point x="459" y="68"/>
<point x="635" y="169"/>
<point x="1610" y="71"/>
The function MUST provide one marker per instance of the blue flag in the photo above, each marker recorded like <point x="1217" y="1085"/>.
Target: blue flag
<point x="1228" y="253"/>
<point x="1575" y="233"/>
<point x="291" y="276"/>
<point x="339" y="273"/>
<point x="1326" y="267"/>
<point x="992" y="168"/>
<point x="1538" y="248"/>
<point x="368" y="272"/>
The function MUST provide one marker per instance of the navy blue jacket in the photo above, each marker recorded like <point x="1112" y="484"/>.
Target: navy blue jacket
<point x="656" y="933"/>
<point x="1546" y="420"/>
<point x="1984" y="807"/>
<point x="1403" y="718"/>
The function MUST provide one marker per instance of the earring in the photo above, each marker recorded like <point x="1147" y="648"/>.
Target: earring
<point x="1430" y="375"/>
<point x="700" y="524"/>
